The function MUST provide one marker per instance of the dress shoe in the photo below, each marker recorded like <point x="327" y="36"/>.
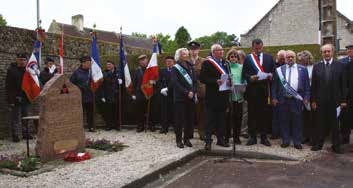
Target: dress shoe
<point x="108" y="129"/>
<point x="337" y="149"/>
<point x="187" y="143"/>
<point x="15" y="139"/>
<point x="298" y="146"/>
<point x="223" y="143"/>
<point x="152" y="128"/>
<point x="92" y="130"/>
<point x="345" y="141"/>
<point x="316" y="148"/>
<point x="237" y="141"/>
<point x="202" y="137"/>
<point x="274" y="137"/>
<point x="118" y="128"/>
<point x="163" y="131"/>
<point x="251" y="141"/>
<point x="284" y="145"/>
<point x="265" y="142"/>
<point x="180" y="145"/>
<point x="208" y="147"/>
<point x="140" y="129"/>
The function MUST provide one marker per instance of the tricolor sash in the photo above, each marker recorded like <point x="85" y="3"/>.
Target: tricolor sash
<point x="184" y="73"/>
<point x="216" y="65"/>
<point x="289" y="89"/>
<point x="256" y="62"/>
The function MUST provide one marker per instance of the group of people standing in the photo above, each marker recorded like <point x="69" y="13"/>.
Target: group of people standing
<point x="297" y="99"/>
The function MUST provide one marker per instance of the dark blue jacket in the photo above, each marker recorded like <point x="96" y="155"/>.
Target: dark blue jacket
<point x="165" y="80"/>
<point x="110" y="87"/>
<point x="137" y="82"/>
<point x="181" y="88"/>
<point x="345" y="60"/>
<point x="278" y="92"/>
<point x="215" y="99"/>
<point x="256" y="89"/>
<point x="82" y="79"/>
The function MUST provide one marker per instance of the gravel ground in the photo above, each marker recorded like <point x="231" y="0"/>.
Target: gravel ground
<point x="146" y="152"/>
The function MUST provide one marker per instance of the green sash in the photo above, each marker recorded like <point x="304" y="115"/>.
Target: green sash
<point x="185" y="74"/>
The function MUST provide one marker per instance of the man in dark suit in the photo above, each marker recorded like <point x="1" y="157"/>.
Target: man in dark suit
<point x="346" y="117"/>
<point x="137" y="95"/>
<point x="258" y="91"/>
<point x="216" y="101"/>
<point x="328" y="92"/>
<point x="166" y="95"/>
<point x="290" y="103"/>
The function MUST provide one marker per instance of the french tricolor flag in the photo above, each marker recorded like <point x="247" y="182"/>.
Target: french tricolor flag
<point x="96" y="68"/>
<point x="30" y="82"/>
<point x="151" y="72"/>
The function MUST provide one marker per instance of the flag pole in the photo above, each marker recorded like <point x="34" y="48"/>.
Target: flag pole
<point x="120" y="89"/>
<point x="147" y="125"/>
<point x="38" y="27"/>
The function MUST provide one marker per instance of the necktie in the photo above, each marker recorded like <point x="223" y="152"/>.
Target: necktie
<point x="290" y="75"/>
<point x="327" y="71"/>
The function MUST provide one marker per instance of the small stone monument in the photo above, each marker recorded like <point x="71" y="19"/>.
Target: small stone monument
<point x="60" y="128"/>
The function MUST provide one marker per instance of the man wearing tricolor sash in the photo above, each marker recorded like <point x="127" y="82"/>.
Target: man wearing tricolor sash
<point x="216" y="101"/>
<point x="290" y="92"/>
<point x="257" y="93"/>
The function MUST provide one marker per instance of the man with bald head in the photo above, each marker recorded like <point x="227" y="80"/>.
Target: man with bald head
<point x="290" y="91"/>
<point x="328" y="92"/>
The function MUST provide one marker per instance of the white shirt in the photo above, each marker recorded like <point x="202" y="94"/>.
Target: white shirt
<point x="294" y="76"/>
<point x="329" y="62"/>
<point x="310" y="71"/>
<point x="261" y="59"/>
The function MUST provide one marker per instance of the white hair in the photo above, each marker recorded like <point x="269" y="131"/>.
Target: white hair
<point x="178" y="53"/>
<point x="281" y="52"/>
<point x="327" y="46"/>
<point x="215" y="47"/>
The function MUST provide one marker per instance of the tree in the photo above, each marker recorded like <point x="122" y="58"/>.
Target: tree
<point x="182" y="37"/>
<point x="2" y="21"/>
<point x="219" y="37"/>
<point x="140" y="35"/>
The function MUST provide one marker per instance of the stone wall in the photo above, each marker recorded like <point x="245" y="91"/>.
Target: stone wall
<point x="344" y="32"/>
<point x="15" y="40"/>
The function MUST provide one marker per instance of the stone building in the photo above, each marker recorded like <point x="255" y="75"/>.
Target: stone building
<point x="292" y="22"/>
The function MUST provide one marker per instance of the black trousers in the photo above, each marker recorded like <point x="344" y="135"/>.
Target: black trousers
<point x="234" y="120"/>
<point x="110" y="115"/>
<point x="308" y="124"/>
<point x="346" y="123"/>
<point x="141" y="109"/>
<point x="184" y="120"/>
<point x="258" y="117"/>
<point x="326" y="120"/>
<point x="215" y="119"/>
<point x="167" y="112"/>
<point x="88" y="114"/>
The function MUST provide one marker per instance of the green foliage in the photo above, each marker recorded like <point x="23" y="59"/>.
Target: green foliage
<point x="137" y="34"/>
<point x="168" y="44"/>
<point x="30" y="164"/>
<point x="2" y="21"/>
<point x="219" y="37"/>
<point x="182" y="37"/>
<point x="8" y="164"/>
<point x="105" y="145"/>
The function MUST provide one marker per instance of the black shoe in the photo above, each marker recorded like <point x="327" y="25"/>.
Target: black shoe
<point x="118" y="128"/>
<point x="237" y="141"/>
<point x="284" y="145"/>
<point x="274" y="137"/>
<point x="306" y="140"/>
<point x="152" y="128"/>
<point x="251" y="141"/>
<point x="337" y="149"/>
<point x="187" y="143"/>
<point x="140" y="129"/>
<point x="265" y="142"/>
<point x="223" y="144"/>
<point x="202" y="137"/>
<point x="180" y="145"/>
<point x="163" y="131"/>
<point x="316" y="148"/>
<point x="208" y="147"/>
<point x="15" y="139"/>
<point x="108" y="129"/>
<point x="298" y="146"/>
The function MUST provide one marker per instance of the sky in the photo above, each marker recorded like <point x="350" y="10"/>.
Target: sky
<point x="199" y="17"/>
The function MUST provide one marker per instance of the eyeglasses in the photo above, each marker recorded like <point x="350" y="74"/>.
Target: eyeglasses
<point x="233" y="56"/>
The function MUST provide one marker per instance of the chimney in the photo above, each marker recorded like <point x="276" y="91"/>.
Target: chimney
<point x="77" y="21"/>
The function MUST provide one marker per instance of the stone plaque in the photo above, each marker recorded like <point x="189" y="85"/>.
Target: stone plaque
<point x="60" y="127"/>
